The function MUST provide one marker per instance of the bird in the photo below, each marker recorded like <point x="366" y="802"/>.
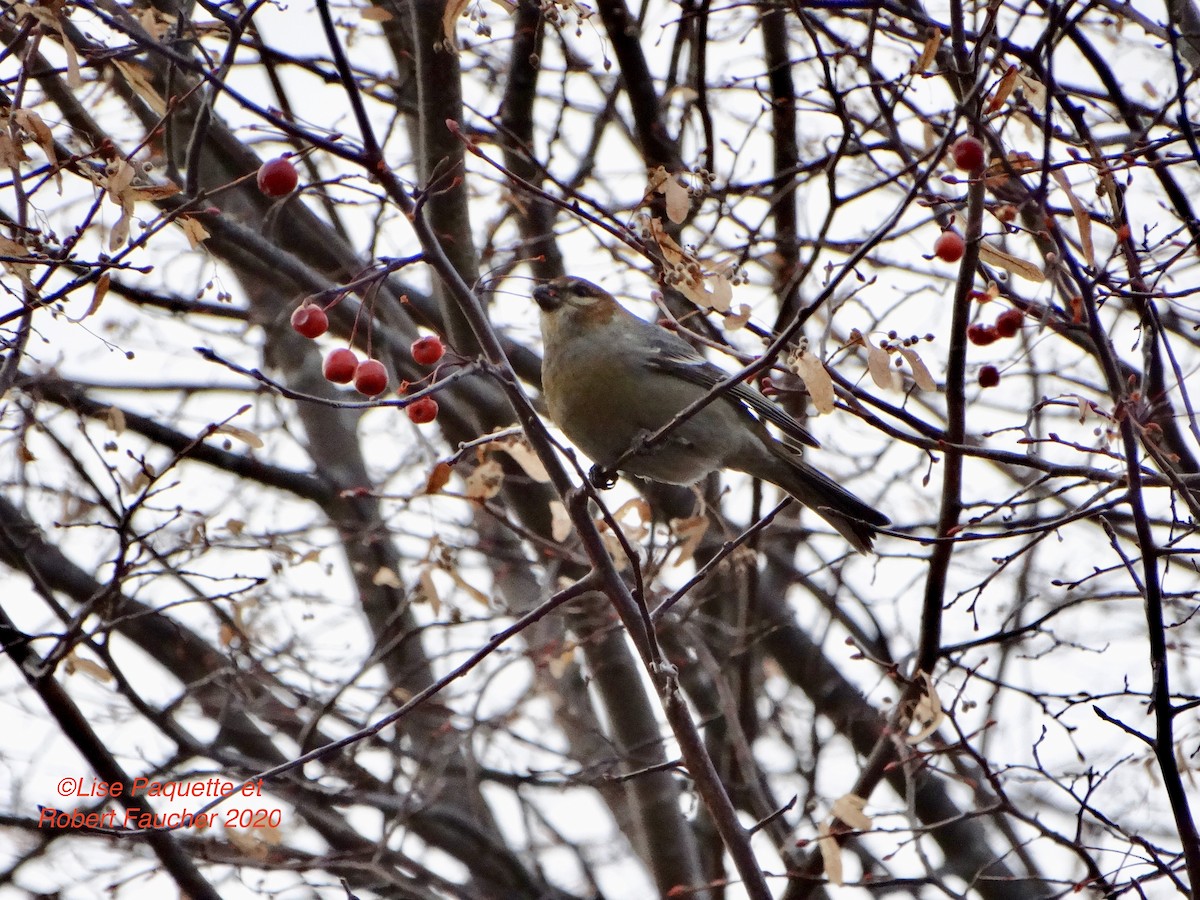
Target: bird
<point x="611" y="379"/>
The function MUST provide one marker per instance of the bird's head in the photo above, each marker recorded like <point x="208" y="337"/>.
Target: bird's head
<point x="573" y="299"/>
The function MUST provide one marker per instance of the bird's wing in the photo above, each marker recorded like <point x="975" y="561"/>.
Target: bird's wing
<point x="675" y="356"/>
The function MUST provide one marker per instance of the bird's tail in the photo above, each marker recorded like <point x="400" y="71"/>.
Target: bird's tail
<point x="855" y="520"/>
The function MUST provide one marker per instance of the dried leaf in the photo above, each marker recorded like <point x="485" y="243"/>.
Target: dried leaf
<point x="120" y="232"/>
<point x="689" y="533"/>
<point x="138" y="79"/>
<point x="1003" y="89"/>
<point x="248" y="843"/>
<point x="11" y="154"/>
<point x="722" y="295"/>
<point x="427" y="591"/>
<point x="560" y="521"/>
<point x="527" y="460"/>
<point x="437" y="478"/>
<point x="246" y="437"/>
<point x="33" y="124"/>
<point x="477" y="595"/>
<point x="119" y="180"/>
<point x="14" y="250"/>
<point x="385" y="577"/>
<point x="450" y="16"/>
<point x="195" y="232"/>
<point x="1022" y="267"/>
<point x="671" y="251"/>
<point x="235" y="526"/>
<point x="1034" y="90"/>
<point x="95" y="671"/>
<point x="816" y="380"/>
<point x="1082" y="220"/>
<point x="152" y="191"/>
<point x="678" y="201"/>
<point x="98" y="294"/>
<point x="376" y="14"/>
<point x="879" y="365"/>
<point x="485" y="482"/>
<point x="831" y="855"/>
<point x="849" y="808"/>
<point x="922" y="377"/>
<point x="74" y="79"/>
<point x="115" y="418"/>
<point x="928" y="713"/>
<point x="736" y="321"/>
<point x="929" y="51"/>
<point x="558" y="665"/>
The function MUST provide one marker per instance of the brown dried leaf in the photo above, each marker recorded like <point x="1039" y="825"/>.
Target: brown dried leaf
<point x="115" y="418"/>
<point x="138" y="79"/>
<point x="427" y="591"/>
<point x="477" y="595"/>
<point x="1082" y="220"/>
<point x="450" y="16"/>
<point x="879" y="365"/>
<point x="689" y="533"/>
<point x="98" y="295"/>
<point x="1022" y="267"/>
<point x="831" y="855"/>
<point x="679" y="204"/>
<point x="95" y="671"/>
<point x="816" y="380"/>
<point x="12" y="154"/>
<point x="385" y="577"/>
<point x="849" y="808"/>
<point x="1003" y="90"/>
<point x="929" y="51"/>
<point x="39" y="131"/>
<point x="485" y="482"/>
<point x="247" y="842"/>
<point x="928" y="713"/>
<point x="376" y="14"/>
<point x="1034" y="90"/>
<point x="558" y="665"/>
<point x="153" y="191"/>
<point x="437" y="478"/>
<point x="529" y="462"/>
<point x="922" y="377"/>
<point x="736" y="321"/>
<point x="195" y="232"/>
<point x="74" y="79"/>
<point x="246" y="437"/>
<point x="23" y="271"/>
<point x="560" y="521"/>
<point x="120" y="231"/>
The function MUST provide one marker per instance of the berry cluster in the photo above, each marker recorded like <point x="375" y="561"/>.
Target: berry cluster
<point x="370" y="377"/>
<point x="1007" y="325"/>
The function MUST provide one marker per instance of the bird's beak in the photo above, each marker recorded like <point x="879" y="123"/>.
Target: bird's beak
<point x="546" y="297"/>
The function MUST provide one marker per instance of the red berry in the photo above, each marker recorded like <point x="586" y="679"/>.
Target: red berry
<point x="371" y="378"/>
<point x="310" y="321"/>
<point x="949" y="246"/>
<point x="981" y="335"/>
<point x="989" y="376"/>
<point x="340" y="366"/>
<point x="1009" y="322"/>
<point x="427" y="350"/>
<point x="277" y="177"/>
<point x="423" y="410"/>
<point x="968" y="154"/>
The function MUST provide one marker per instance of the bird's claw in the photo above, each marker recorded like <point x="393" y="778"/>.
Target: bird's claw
<point x="601" y="478"/>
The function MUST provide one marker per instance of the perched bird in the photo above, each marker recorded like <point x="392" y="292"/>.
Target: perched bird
<point x="611" y="380"/>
